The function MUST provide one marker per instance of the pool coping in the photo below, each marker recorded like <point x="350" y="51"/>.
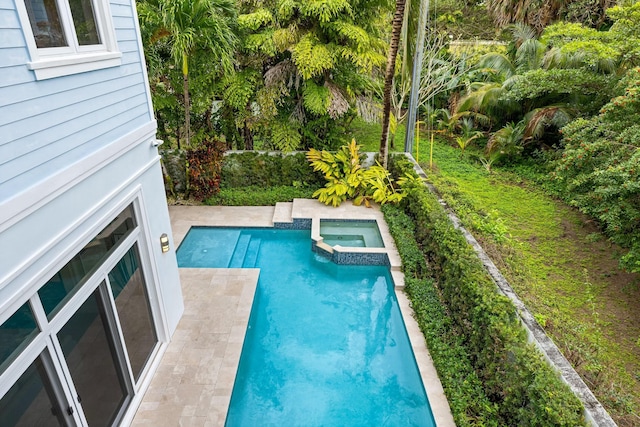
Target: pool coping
<point x="207" y="390"/>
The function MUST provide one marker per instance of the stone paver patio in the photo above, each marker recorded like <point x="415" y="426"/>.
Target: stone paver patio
<point x="193" y="384"/>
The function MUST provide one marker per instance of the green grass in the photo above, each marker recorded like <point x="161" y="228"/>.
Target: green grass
<point x="555" y="265"/>
<point x="368" y="136"/>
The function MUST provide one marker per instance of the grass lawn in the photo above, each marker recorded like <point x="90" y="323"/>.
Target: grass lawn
<point x="560" y="265"/>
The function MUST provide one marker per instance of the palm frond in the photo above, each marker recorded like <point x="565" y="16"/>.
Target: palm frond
<point x="499" y="63"/>
<point x="315" y="97"/>
<point x="311" y="57"/>
<point x="538" y="120"/>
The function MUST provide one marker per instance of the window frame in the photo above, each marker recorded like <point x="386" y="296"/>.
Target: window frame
<point x="46" y="340"/>
<point x="54" y="62"/>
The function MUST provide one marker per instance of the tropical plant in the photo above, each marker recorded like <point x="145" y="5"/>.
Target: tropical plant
<point x="507" y="141"/>
<point x="570" y="72"/>
<point x="442" y="73"/>
<point x="204" y="165"/>
<point x="309" y="61"/>
<point x="468" y="134"/>
<point x="540" y="13"/>
<point x="348" y="179"/>
<point x="185" y="28"/>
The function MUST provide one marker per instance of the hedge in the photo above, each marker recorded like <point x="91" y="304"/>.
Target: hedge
<point x="250" y="169"/>
<point x="239" y="179"/>
<point x="525" y="390"/>
<point x="469" y="405"/>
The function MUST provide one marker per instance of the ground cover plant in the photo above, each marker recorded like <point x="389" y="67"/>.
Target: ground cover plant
<point x="560" y="265"/>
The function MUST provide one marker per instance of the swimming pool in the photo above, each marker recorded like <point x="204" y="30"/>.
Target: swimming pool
<point x="326" y="344"/>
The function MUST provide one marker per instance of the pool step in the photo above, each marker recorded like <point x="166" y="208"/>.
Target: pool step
<point x="282" y="213"/>
<point x="240" y="251"/>
<point x="251" y="256"/>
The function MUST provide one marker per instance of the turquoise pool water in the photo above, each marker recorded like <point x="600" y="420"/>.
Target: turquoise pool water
<point x="326" y="344"/>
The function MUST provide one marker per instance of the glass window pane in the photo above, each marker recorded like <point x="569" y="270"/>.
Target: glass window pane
<point x="90" y="356"/>
<point x="132" y="303"/>
<point x="84" y="21"/>
<point x="45" y="23"/>
<point x="67" y="281"/>
<point x="31" y="401"/>
<point x="15" y="334"/>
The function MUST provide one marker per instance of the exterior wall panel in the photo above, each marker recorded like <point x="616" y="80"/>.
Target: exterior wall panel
<point x="12" y="57"/>
<point x="47" y="124"/>
<point x="75" y="150"/>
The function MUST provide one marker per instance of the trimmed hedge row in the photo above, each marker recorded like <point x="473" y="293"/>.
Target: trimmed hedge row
<point x="253" y="169"/>
<point x="525" y="390"/>
<point x="258" y="196"/>
<point x="469" y="405"/>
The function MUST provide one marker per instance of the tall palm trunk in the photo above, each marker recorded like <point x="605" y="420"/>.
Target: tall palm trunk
<point x="396" y="29"/>
<point x="187" y="107"/>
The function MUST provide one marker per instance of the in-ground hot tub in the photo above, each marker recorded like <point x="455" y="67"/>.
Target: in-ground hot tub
<point x="351" y="233"/>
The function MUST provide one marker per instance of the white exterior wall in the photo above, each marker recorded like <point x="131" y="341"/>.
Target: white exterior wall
<point x="76" y="150"/>
<point x="41" y="239"/>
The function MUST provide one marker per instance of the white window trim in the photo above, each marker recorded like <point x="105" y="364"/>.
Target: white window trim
<point x="49" y="63"/>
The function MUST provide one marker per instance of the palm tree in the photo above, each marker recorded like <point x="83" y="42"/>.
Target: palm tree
<point x="468" y="134"/>
<point x="500" y="71"/>
<point x="537" y="14"/>
<point x="187" y="26"/>
<point x="396" y="29"/>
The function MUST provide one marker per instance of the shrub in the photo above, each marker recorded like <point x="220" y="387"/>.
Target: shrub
<point x="599" y="171"/>
<point x="204" y="164"/>
<point x="347" y="178"/>
<point x="268" y="169"/>
<point x="258" y="196"/>
<point x="469" y="405"/>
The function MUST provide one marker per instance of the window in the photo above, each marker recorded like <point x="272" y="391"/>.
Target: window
<point x="63" y="285"/>
<point x="68" y="36"/>
<point x="15" y="334"/>
<point x="77" y="353"/>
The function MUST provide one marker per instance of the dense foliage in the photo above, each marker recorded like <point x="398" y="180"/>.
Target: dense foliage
<point x="183" y="39"/>
<point x="300" y="69"/>
<point x="514" y="376"/>
<point x="600" y="168"/>
<point x="469" y="405"/>
<point x="541" y="13"/>
<point x="523" y="97"/>
<point x="253" y="169"/>
<point x="234" y="178"/>
<point x="258" y="196"/>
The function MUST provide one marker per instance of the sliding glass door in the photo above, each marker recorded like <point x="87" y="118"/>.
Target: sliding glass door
<point x="76" y="352"/>
<point x="91" y="354"/>
<point x="35" y="399"/>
